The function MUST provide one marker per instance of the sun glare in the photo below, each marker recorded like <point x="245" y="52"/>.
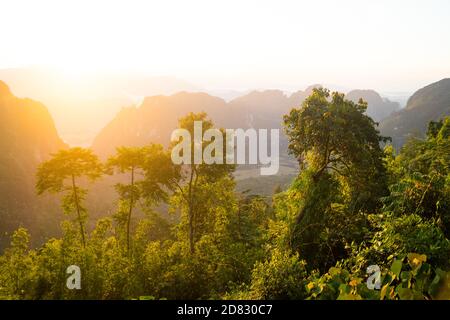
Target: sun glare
<point x="245" y="42"/>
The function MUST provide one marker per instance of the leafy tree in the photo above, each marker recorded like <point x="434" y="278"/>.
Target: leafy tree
<point x="60" y="174"/>
<point x="331" y="134"/>
<point x="313" y="241"/>
<point x="422" y="184"/>
<point x="343" y="174"/>
<point x="17" y="267"/>
<point x="157" y="174"/>
<point x="282" y="276"/>
<point x="196" y="180"/>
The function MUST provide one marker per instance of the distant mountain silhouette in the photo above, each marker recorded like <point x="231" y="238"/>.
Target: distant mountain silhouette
<point x="378" y="108"/>
<point x="153" y="121"/>
<point x="429" y="103"/>
<point x="156" y="118"/>
<point x="27" y="137"/>
<point x="83" y="104"/>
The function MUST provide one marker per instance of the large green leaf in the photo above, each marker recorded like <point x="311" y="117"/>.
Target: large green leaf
<point x="396" y="268"/>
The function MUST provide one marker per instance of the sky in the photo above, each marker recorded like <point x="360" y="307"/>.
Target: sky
<point x="392" y="46"/>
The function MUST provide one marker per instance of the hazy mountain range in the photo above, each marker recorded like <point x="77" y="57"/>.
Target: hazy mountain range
<point x="29" y="134"/>
<point x="83" y="104"/>
<point x="378" y="108"/>
<point x="157" y="116"/>
<point x="27" y="137"/>
<point x="429" y="103"/>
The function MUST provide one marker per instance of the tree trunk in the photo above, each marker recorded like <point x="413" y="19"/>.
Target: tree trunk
<point x="130" y="209"/>
<point x="77" y="205"/>
<point x="191" y="215"/>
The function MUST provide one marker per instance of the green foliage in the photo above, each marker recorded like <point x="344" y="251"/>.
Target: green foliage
<point x="282" y="276"/>
<point x="16" y="267"/>
<point x="343" y="176"/>
<point x="199" y="187"/>
<point x="64" y="165"/>
<point x="408" y="278"/>
<point x="394" y="236"/>
<point x="423" y="185"/>
<point x="313" y="241"/>
<point x="330" y="133"/>
<point x="70" y="164"/>
<point x="158" y="175"/>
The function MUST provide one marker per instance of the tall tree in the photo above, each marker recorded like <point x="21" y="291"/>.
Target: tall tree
<point x="196" y="178"/>
<point x="338" y="148"/>
<point x="150" y="175"/>
<point x="60" y="175"/>
<point x="332" y="134"/>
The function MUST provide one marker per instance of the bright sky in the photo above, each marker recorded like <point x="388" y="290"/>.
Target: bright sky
<point x="386" y="45"/>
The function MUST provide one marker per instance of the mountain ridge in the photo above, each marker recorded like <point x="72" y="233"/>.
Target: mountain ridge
<point x="29" y="136"/>
<point x="430" y="103"/>
<point x="256" y="109"/>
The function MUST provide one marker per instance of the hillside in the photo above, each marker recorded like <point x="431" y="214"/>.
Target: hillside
<point x="82" y="104"/>
<point x="153" y="120"/>
<point x="28" y="137"/>
<point x="157" y="116"/>
<point x="429" y="103"/>
<point x="378" y="108"/>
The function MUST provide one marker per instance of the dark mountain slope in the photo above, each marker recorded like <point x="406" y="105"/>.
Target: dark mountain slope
<point x="27" y="137"/>
<point x="429" y="103"/>
<point x="378" y="108"/>
<point x="156" y="118"/>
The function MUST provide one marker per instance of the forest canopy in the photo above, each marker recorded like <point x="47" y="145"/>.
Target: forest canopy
<point x="184" y="232"/>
